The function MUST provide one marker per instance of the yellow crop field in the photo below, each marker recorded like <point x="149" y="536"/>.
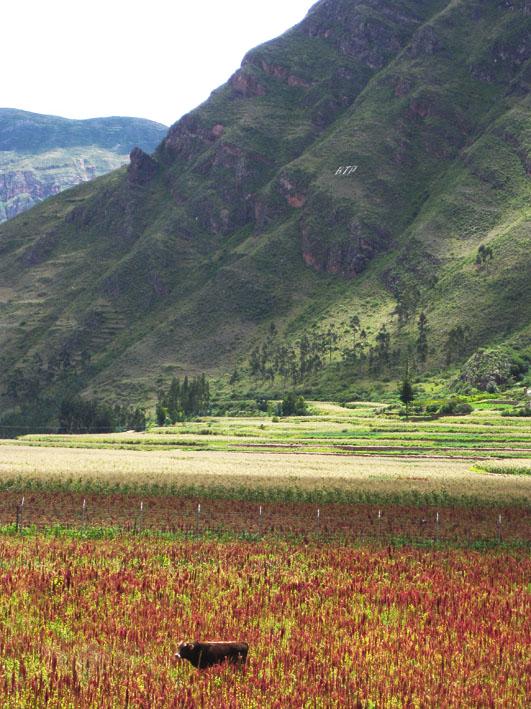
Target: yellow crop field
<point x="175" y="467"/>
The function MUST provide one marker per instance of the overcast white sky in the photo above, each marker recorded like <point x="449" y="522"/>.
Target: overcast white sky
<point x="155" y="59"/>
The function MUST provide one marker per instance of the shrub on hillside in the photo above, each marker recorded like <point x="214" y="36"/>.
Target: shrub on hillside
<point x="517" y="411"/>
<point x="492" y="369"/>
<point x="292" y="405"/>
<point x="454" y="407"/>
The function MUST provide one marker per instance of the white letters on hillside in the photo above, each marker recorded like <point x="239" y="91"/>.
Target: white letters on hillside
<point x="348" y="170"/>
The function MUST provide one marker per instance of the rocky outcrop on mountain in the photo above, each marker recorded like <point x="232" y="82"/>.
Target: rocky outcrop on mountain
<point x="244" y="85"/>
<point x="354" y="245"/>
<point x="489" y="369"/>
<point x="141" y="168"/>
<point x="371" y="31"/>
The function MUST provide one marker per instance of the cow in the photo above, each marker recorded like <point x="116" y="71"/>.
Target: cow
<point x="205" y="654"/>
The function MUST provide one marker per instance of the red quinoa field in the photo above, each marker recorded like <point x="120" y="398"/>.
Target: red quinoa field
<point x="96" y="623"/>
<point x="168" y="513"/>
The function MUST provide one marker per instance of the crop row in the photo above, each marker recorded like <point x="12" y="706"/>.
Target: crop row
<point x="452" y="449"/>
<point x="195" y="514"/>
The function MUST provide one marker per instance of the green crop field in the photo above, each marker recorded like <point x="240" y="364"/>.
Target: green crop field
<point x="347" y="454"/>
<point x="332" y="429"/>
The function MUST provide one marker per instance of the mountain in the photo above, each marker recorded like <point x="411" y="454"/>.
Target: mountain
<point x="42" y="155"/>
<point x="353" y="166"/>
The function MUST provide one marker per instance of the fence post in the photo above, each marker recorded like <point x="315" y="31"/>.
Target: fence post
<point x="498" y="528"/>
<point x="260" y="521"/>
<point x="138" y="518"/>
<point x="437" y="527"/>
<point x="84" y="513"/>
<point x="197" y="516"/>
<point x="379" y="524"/>
<point x="18" y="522"/>
<point x="318" y="520"/>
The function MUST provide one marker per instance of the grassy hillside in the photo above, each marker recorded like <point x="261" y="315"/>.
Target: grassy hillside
<point x="243" y="217"/>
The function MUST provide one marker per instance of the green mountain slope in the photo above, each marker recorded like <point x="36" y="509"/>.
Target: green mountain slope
<point x="244" y="214"/>
<point x="42" y="155"/>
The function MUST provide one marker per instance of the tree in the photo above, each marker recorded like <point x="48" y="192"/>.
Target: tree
<point x="354" y="324"/>
<point x="296" y="361"/>
<point x="79" y="416"/>
<point x="183" y="400"/>
<point x="136" y="419"/>
<point x="254" y="362"/>
<point x="422" y="338"/>
<point x="292" y="405"/>
<point x="331" y="340"/>
<point x="304" y="351"/>
<point x="457" y="343"/>
<point x="382" y="349"/>
<point x="161" y="414"/>
<point x="407" y="296"/>
<point x="484" y="255"/>
<point x="406" y="392"/>
<point x="173" y="400"/>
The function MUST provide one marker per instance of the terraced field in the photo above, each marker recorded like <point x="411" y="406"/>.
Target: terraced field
<point x="363" y="430"/>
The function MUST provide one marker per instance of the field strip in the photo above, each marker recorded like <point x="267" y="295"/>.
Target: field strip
<point x="171" y="513"/>
<point x="166" y="468"/>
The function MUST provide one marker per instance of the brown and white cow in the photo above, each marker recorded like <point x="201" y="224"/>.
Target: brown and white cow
<point x="206" y="654"/>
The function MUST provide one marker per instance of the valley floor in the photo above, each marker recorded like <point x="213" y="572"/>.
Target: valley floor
<point x="367" y="560"/>
<point x="347" y="470"/>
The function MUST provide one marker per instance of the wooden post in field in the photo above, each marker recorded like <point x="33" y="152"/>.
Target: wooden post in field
<point x="318" y="520"/>
<point x="437" y="527"/>
<point x="138" y="518"/>
<point x="379" y="524"/>
<point x="498" y="528"/>
<point x="197" y="517"/>
<point x="260" y="521"/>
<point x="84" y="513"/>
<point x="19" y="515"/>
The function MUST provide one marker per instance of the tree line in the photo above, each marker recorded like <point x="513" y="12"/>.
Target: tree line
<point x="28" y="381"/>
<point x="76" y="415"/>
<point x="182" y="400"/>
<point x="315" y="348"/>
<point x="295" y="362"/>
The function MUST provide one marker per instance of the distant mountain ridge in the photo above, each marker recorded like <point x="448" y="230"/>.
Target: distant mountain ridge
<point x="42" y="155"/>
<point x="245" y="216"/>
<point x="27" y="132"/>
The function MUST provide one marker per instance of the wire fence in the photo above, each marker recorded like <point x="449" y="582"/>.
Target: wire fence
<point x="328" y="521"/>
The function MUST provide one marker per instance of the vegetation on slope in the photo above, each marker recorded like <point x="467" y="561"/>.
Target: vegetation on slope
<point x="181" y="263"/>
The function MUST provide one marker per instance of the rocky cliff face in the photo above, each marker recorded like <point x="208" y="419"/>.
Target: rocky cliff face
<point x="26" y="181"/>
<point x="41" y="156"/>
<point x="353" y="165"/>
